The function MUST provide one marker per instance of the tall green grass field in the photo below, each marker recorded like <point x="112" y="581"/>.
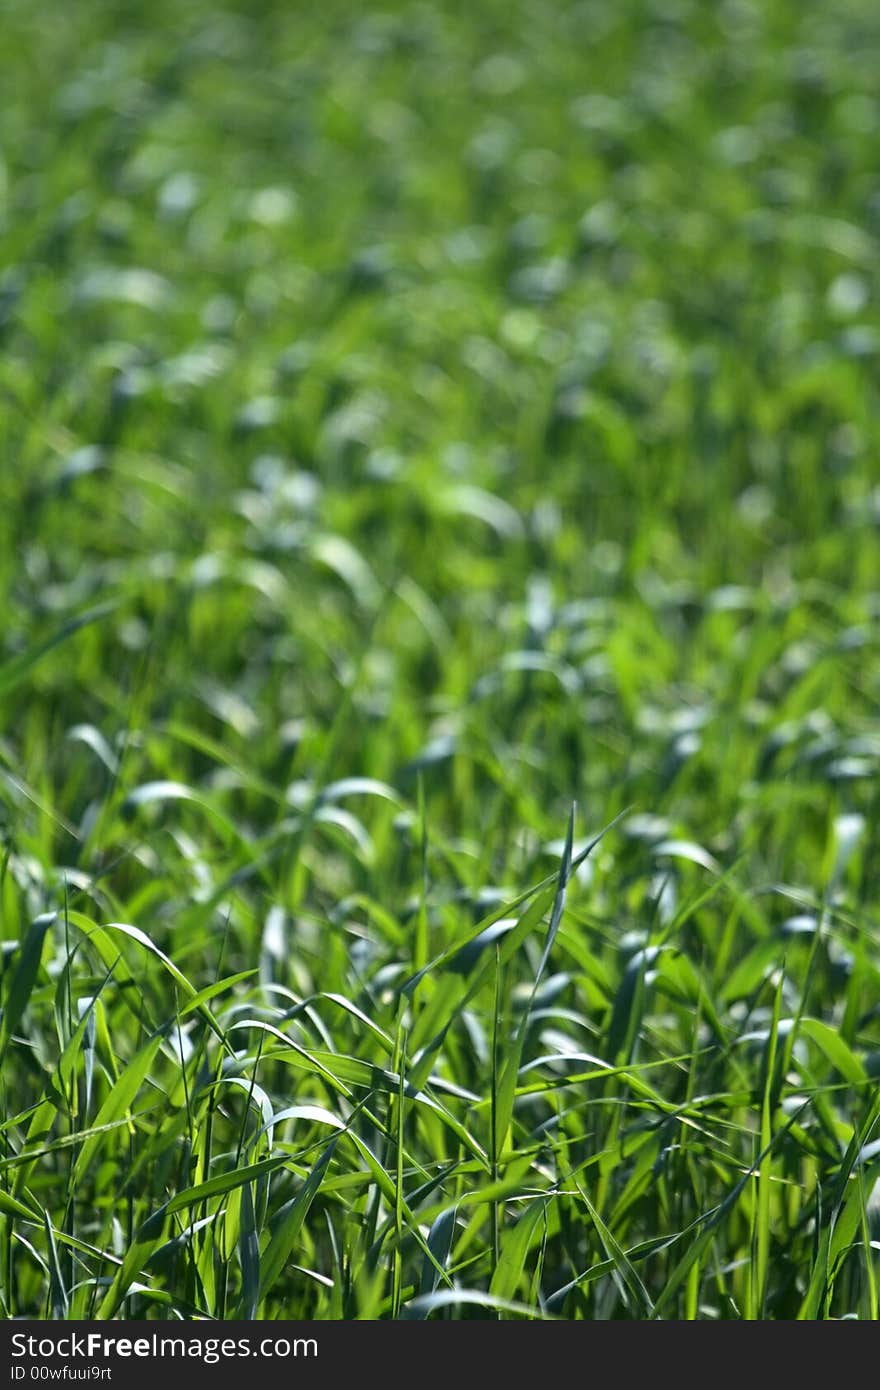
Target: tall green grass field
<point x="439" y="660"/>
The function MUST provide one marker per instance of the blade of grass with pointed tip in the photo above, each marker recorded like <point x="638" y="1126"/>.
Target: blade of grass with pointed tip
<point x="289" y="1221"/>
<point x="840" y="1229"/>
<point x="211" y="991"/>
<point x="249" y="1257"/>
<point x="629" y="1279"/>
<point x="24" y="978"/>
<point x="457" y="1001"/>
<point x="517" y="1243"/>
<point x="399" y="1064"/>
<point x="705" y="1225"/>
<point x="765" y="1167"/>
<point x="440" y="1239"/>
<point x="506" y="1093"/>
<point x="58" y="1295"/>
<point x="559" y="898"/>
<point x="837" y="1052"/>
<point x="508" y="908"/>
<point x="117" y="1104"/>
<point x="869" y="1263"/>
<point x="386" y="1186"/>
<point x="222" y="1183"/>
<point x="11" y="1206"/>
<point x="146" y="1239"/>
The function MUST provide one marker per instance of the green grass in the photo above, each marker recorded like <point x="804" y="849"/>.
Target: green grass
<point x="418" y="428"/>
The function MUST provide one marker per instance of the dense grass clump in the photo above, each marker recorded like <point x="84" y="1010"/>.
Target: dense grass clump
<point x="440" y="662"/>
